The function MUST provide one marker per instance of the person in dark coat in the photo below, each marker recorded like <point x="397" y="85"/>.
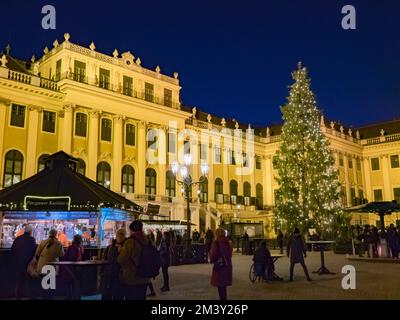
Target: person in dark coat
<point x="209" y="239"/>
<point x="152" y="239"/>
<point x="263" y="264"/>
<point x="279" y="240"/>
<point x="296" y="250"/>
<point x="392" y="241"/>
<point x="110" y="285"/>
<point x="23" y="250"/>
<point x="221" y="276"/>
<point x="165" y="256"/>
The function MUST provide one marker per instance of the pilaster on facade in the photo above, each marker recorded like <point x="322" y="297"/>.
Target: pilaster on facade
<point x="93" y="143"/>
<point x="267" y="181"/>
<point x="347" y="180"/>
<point x="4" y="103"/>
<point x="385" y="159"/>
<point x="367" y="176"/>
<point x="32" y="134"/>
<point x="117" y="152"/>
<point x="67" y="125"/>
<point x="142" y="127"/>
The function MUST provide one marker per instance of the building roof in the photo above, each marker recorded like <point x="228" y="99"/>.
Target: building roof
<point x="374" y="130"/>
<point x="59" y="179"/>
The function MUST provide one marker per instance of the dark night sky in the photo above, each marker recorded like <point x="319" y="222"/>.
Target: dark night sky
<point x="234" y="58"/>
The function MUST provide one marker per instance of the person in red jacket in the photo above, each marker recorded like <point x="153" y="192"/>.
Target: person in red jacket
<point x="73" y="253"/>
<point x="221" y="256"/>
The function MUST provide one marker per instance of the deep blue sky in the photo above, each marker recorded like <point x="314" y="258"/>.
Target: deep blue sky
<point x="234" y="58"/>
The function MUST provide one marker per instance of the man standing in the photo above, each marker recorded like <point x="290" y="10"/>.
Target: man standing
<point x="295" y="250"/>
<point x="23" y="250"/>
<point x="129" y="257"/>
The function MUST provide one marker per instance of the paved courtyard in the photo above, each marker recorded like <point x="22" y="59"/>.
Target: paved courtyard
<point x="373" y="280"/>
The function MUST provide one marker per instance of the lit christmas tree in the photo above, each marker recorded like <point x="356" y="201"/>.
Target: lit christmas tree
<point x="308" y="194"/>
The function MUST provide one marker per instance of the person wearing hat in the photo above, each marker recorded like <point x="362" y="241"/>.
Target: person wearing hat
<point x="134" y="286"/>
<point x="23" y="250"/>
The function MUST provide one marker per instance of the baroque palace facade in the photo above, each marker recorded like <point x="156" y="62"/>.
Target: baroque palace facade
<point x="101" y="109"/>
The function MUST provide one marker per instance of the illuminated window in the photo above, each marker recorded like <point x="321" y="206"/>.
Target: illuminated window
<point x="49" y="121"/>
<point x="41" y="162"/>
<point x="128" y="178"/>
<point x="17" y="115"/>
<point x="80" y="124"/>
<point x="104" y="174"/>
<point x="151" y="183"/>
<point x="106" y="125"/>
<point x="12" y="168"/>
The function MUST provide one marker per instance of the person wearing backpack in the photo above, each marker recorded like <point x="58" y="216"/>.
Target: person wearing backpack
<point x="221" y="256"/>
<point x="138" y="262"/>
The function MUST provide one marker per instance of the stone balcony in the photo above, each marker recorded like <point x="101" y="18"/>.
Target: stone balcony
<point x="28" y="79"/>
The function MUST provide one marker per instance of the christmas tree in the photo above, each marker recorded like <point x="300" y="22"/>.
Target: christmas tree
<point x="308" y="193"/>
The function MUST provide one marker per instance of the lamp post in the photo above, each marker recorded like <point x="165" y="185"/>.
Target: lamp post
<point x="187" y="182"/>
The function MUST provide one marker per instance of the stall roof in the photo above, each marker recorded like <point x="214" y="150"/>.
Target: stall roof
<point x="60" y="179"/>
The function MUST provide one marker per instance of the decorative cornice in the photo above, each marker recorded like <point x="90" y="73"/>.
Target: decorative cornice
<point x="94" y="113"/>
<point x="119" y="118"/>
<point x="69" y="107"/>
<point x="35" y="108"/>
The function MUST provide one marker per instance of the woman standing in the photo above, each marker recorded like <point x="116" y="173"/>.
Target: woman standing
<point x="165" y="256"/>
<point x="221" y="256"/>
<point x="295" y="250"/>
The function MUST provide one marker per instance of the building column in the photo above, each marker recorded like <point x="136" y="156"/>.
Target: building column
<point x="33" y="124"/>
<point x="141" y="157"/>
<point x="225" y="171"/>
<point x="252" y="166"/>
<point x="387" y="195"/>
<point x="93" y="144"/>
<point x="354" y="159"/>
<point x="210" y="177"/>
<point x="267" y="181"/>
<point x="161" y="162"/>
<point x="117" y="152"/>
<point x="3" y="108"/>
<point x="367" y="180"/>
<point x="346" y="178"/>
<point x="67" y="123"/>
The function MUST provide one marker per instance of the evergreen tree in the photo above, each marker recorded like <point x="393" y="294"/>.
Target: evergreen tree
<point x="308" y="194"/>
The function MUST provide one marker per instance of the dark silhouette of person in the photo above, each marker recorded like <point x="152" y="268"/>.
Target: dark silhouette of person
<point x="263" y="264"/>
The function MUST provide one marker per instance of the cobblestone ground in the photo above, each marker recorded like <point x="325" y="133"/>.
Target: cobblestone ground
<point x="373" y="281"/>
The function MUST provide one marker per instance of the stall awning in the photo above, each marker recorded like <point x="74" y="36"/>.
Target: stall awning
<point x="61" y="180"/>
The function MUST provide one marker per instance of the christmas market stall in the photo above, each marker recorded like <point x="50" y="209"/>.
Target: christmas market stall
<point x="58" y="197"/>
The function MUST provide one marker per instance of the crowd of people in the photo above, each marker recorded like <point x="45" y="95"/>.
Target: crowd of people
<point x="127" y="274"/>
<point x="369" y="239"/>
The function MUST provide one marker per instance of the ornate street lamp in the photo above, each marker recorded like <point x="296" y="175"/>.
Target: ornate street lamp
<point x="187" y="182"/>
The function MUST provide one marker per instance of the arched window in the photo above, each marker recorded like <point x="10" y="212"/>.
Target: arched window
<point x="170" y="184"/>
<point x="151" y="183"/>
<point x="12" y="168"/>
<point x="203" y="190"/>
<point x="219" y="190"/>
<point x="128" y="179"/>
<point x="41" y="163"/>
<point x="233" y="188"/>
<point x="81" y="167"/>
<point x="259" y="196"/>
<point x="233" y="191"/>
<point x="247" y="189"/>
<point x="104" y="174"/>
